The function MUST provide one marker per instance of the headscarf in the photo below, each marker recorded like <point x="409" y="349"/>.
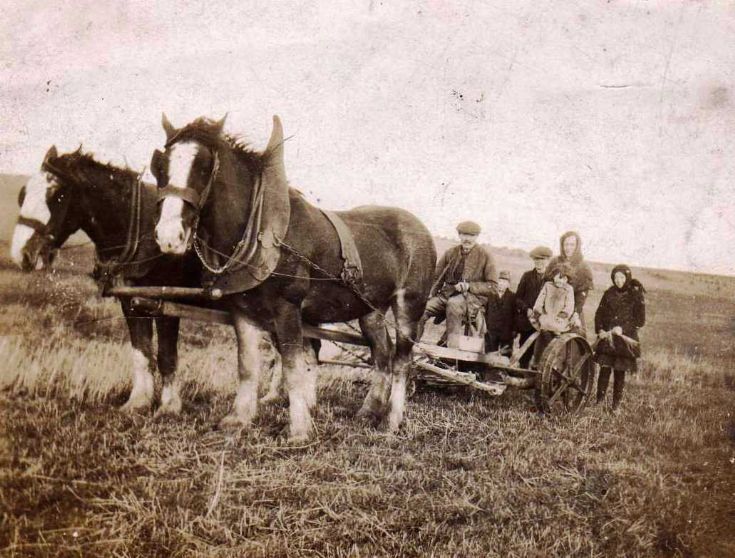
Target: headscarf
<point x="577" y="255"/>
<point x="630" y="283"/>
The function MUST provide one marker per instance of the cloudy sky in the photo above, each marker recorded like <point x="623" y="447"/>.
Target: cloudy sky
<point x="530" y="117"/>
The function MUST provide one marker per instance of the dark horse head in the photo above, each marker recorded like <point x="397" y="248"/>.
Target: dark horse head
<point x="196" y="157"/>
<point x="47" y="216"/>
<point x="72" y="192"/>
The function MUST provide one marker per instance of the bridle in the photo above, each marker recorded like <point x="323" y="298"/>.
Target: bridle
<point x="189" y="195"/>
<point x="46" y="230"/>
<point x="246" y="248"/>
<point x="41" y="229"/>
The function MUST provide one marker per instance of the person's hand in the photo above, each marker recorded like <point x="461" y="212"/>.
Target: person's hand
<point x="529" y="313"/>
<point x="462" y="287"/>
<point x="617" y="330"/>
<point x="604" y="334"/>
<point x="563" y="315"/>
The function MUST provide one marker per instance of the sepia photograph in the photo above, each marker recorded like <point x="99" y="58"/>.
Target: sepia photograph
<point x="367" y="278"/>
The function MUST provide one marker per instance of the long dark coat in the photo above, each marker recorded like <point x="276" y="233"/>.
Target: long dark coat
<point x="626" y="308"/>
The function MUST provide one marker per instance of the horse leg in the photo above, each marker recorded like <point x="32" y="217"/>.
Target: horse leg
<point x="276" y="391"/>
<point x="141" y="340"/>
<point x="374" y="407"/>
<point x="168" y="336"/>
<point x="245" y="407"/>
<point x="407" y="311"/>
<point x="300" y="376"/>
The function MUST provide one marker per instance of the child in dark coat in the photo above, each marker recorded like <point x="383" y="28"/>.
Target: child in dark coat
<point x="621" y="313"/>
<point x="500" y="315"/>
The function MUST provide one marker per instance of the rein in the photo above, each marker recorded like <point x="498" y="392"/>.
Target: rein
<point x="246" y="248"/>
<point x="105" y="270"/>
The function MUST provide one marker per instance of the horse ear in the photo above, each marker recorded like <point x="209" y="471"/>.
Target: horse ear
<point x="51" y="154"/>
<point x="21" y="196"/>
<point x="156" y="160"/>
<point x="167" y="126"/>
<point x="220" y="124"/>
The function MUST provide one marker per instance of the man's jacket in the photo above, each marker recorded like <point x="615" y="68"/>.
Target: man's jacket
<point x="479" y="270"/>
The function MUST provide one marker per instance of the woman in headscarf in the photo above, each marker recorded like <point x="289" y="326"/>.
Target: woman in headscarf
<point x="621" y="312"/>
<point x="570" y="252"/>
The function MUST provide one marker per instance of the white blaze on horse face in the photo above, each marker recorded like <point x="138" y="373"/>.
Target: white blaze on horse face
<point x="171" y="236"/>
<point x="34" y="207"/>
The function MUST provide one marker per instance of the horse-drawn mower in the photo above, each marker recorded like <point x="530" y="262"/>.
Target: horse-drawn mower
<point x="562" y="379"/>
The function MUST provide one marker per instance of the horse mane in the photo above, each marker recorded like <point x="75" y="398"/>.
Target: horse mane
<point x="208" y="133"/>
<point x="78" y="166"/>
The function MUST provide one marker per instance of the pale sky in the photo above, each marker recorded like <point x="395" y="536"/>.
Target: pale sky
<point x="615" y="118"/>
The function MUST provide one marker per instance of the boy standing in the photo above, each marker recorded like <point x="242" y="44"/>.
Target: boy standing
<point x="500" y="314"/>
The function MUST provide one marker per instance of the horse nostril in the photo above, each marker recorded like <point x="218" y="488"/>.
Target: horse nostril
<point x="181" y="236"/>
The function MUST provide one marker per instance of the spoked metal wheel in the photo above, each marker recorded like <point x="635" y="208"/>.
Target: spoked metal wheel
<point x="566" y="375"/>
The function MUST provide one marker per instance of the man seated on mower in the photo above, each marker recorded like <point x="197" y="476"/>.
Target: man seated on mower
<point x="465" y="277"/>
<point x="553" y="312"/>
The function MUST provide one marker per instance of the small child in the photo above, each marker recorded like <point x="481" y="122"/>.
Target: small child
<point x="553" y="312"/>
<point x="500" y="316"/>
<point x="554" y="306"/>
<point x="621" y="313"/>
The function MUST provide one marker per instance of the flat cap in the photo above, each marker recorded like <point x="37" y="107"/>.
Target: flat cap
<point x="468" y="227"/>
<point x="504" y="275"/>
<point x="541" y="252"/>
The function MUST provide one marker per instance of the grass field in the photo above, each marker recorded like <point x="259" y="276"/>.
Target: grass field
<point x="468" y="475"/>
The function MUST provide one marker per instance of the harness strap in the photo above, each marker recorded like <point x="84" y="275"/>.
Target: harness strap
<point x="34" y="224"/>
<point x="189" y="195"/>
<point x="105" y="270"/>
<point x="246" y="247"/>
<point x="351" y="263"/>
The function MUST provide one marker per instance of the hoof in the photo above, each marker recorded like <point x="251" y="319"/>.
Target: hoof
<point x="165" y="411"/>
<point x="392" y="426"/>
<point x="299" y="440"/>
<point x="135" y="406"/>
<point x="232" y="422"/>
<point x="272" y="398"/>
<point x="370" y="417"/>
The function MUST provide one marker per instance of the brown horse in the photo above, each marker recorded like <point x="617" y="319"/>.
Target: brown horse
<point x="280" y="263"/>
<point x="73" y="191"/>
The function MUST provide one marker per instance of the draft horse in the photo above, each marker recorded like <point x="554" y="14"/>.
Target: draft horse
<point x="278" y="260"/>
<point x="117" y="211"/>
